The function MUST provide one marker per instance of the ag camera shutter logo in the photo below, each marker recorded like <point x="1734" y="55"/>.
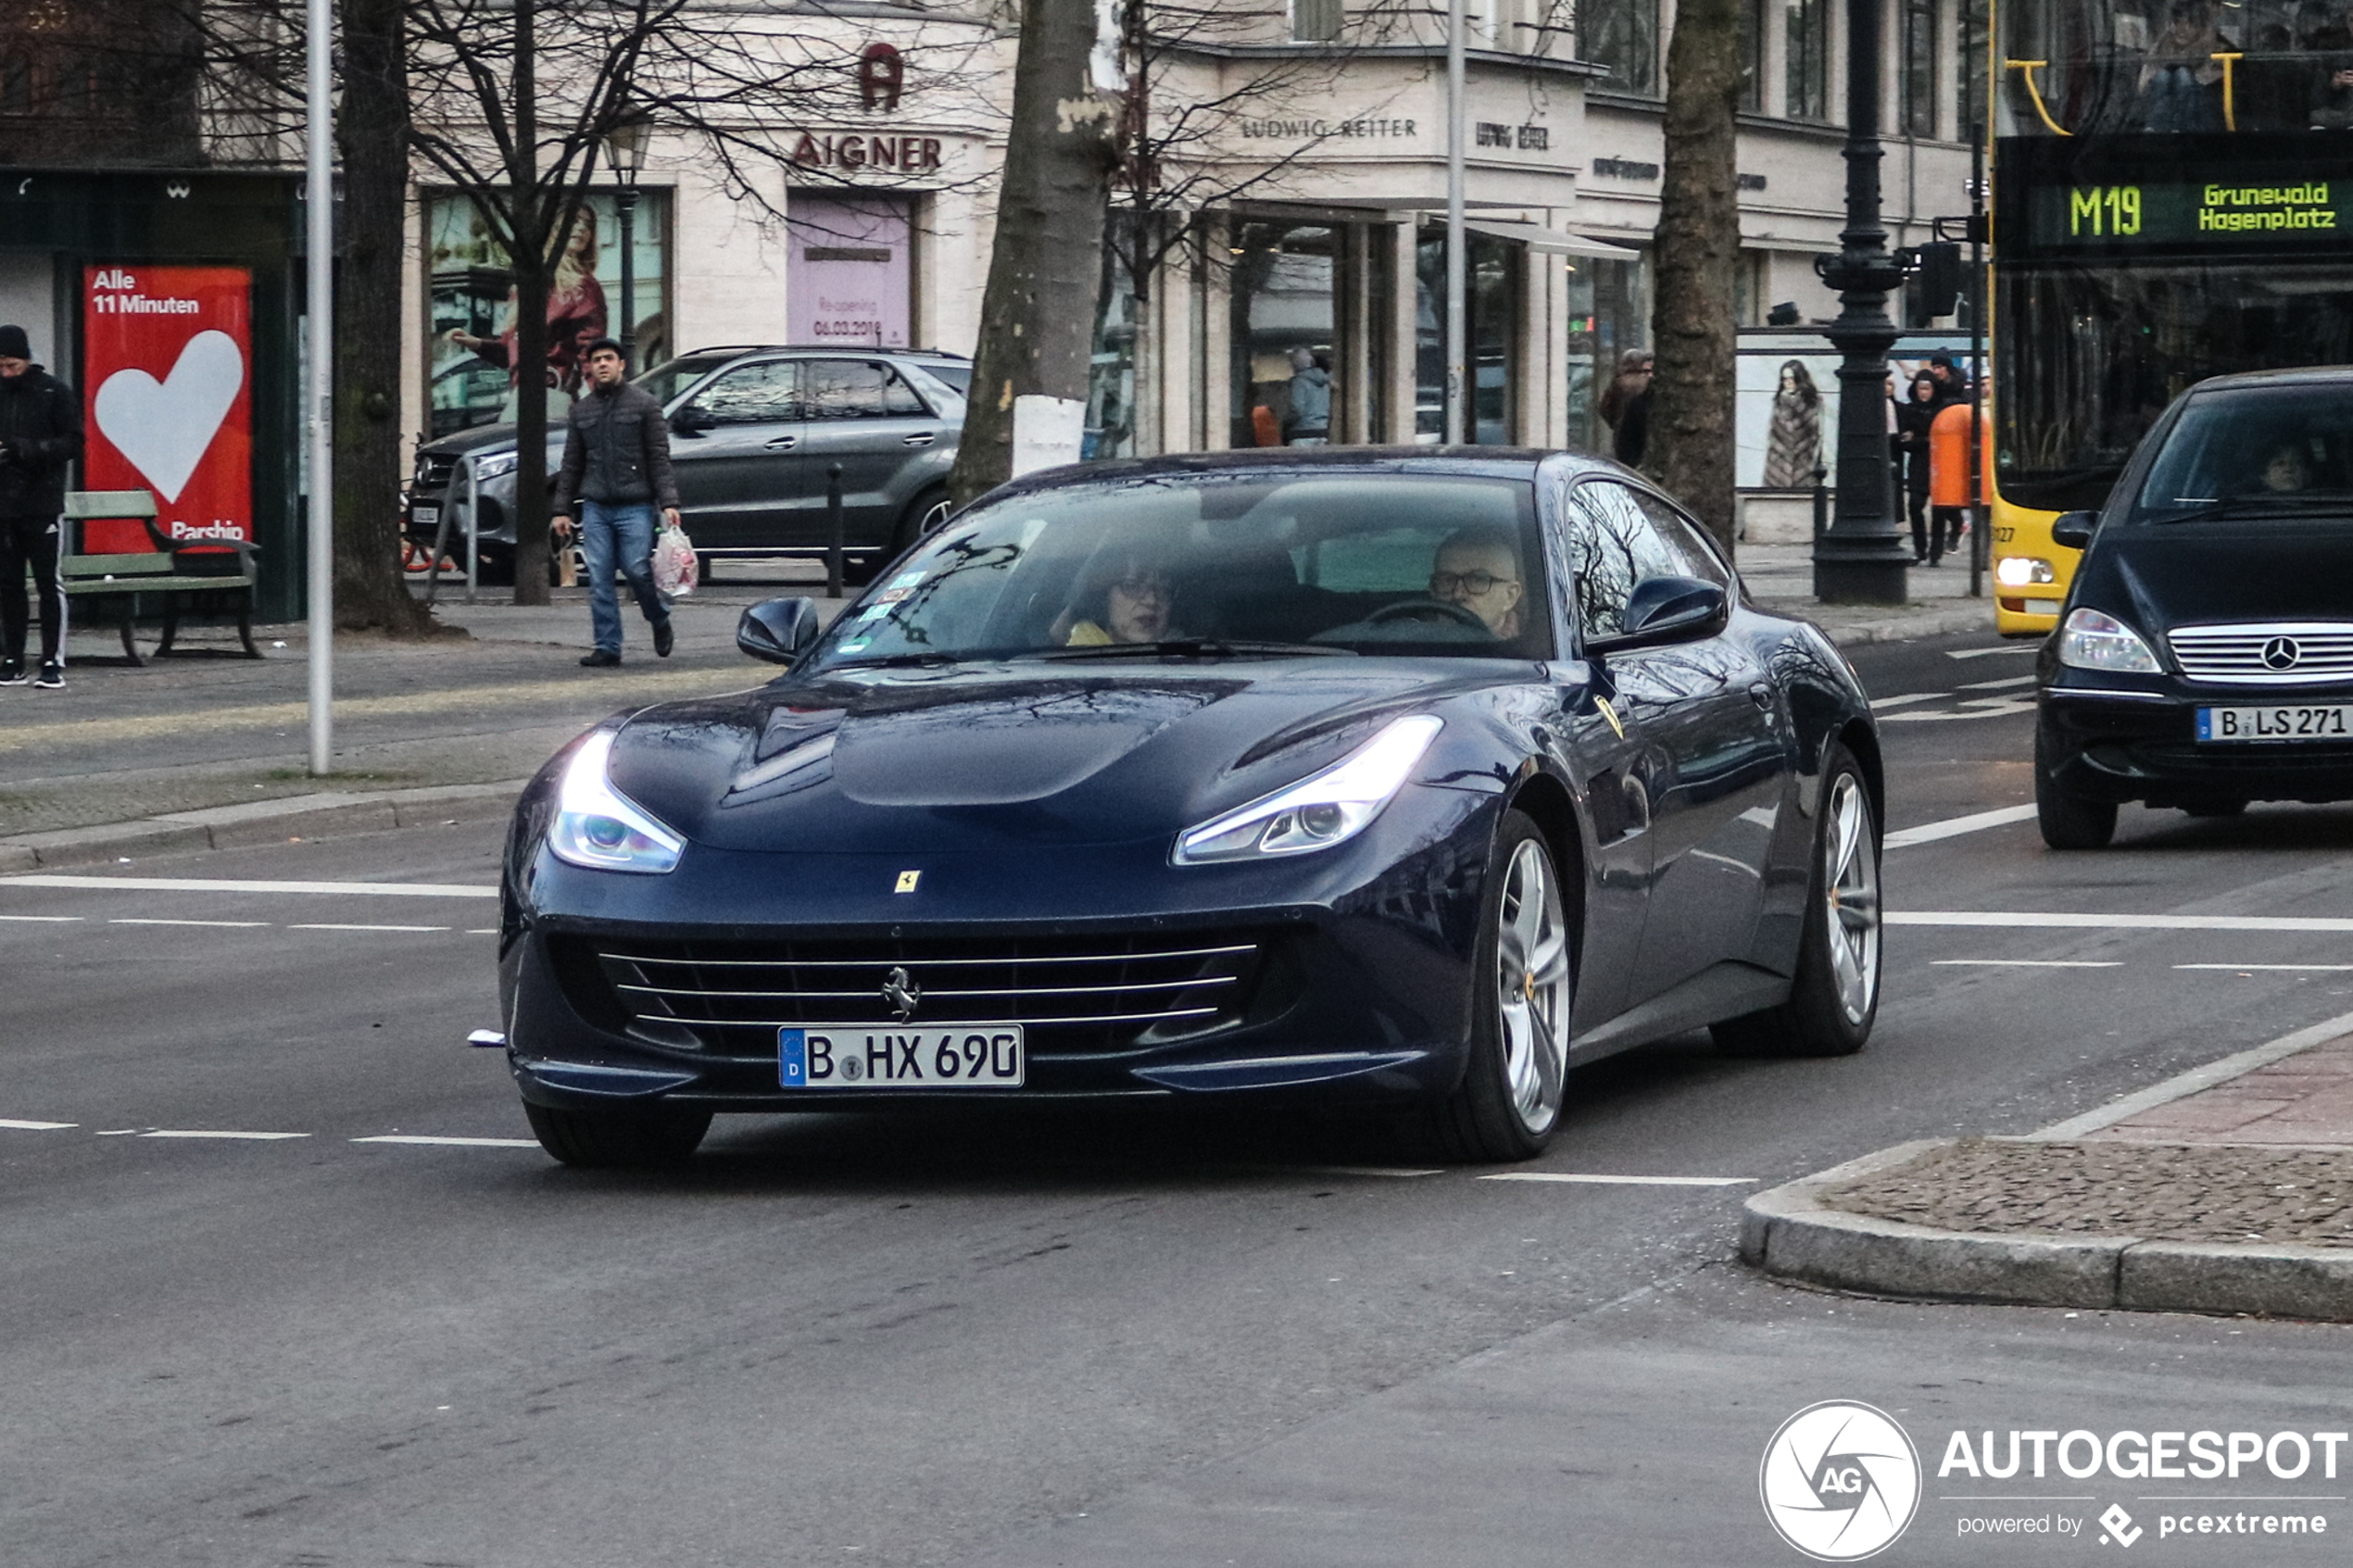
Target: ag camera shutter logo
<point x="1841" y="1481"/>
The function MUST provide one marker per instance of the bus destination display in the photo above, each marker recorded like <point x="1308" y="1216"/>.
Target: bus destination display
<point x="2190" y="216"/>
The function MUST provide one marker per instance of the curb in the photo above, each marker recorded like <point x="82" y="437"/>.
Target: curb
<point x="327" y="814"/>
<point x="1789" y="1233"/>
<point x="1978" y="616"/>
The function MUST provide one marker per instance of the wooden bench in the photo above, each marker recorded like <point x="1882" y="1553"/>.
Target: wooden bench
<point x="174" y="571"/>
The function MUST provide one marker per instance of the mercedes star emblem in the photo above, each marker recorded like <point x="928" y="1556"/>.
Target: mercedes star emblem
<point x="902" y="992"/>
<point x="2281" y="653"/>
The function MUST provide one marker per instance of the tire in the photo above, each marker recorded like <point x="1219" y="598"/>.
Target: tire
<point x="1833" y="998"/>
<point x="2215" y="808"/>
<point x="1508" y="1105"/>
<point x="2067" y="820"/>
<point x="924" y="515"/>
<point x="629" y="1140"/>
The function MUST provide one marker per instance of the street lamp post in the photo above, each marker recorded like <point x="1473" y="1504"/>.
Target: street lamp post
<point x="626" y="147"/>
<point x="1861" y="557"/>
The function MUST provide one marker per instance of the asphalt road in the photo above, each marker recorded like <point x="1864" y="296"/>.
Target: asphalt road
<point x="1027" y="1340"/>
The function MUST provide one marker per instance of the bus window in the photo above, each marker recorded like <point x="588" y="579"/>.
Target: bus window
<point x="2172" y="66"/>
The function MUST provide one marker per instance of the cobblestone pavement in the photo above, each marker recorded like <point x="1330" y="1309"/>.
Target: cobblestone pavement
<point x="2265" y="1157"/>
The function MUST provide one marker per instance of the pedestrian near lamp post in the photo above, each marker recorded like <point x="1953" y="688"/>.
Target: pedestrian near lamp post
<point x="39" y="434"/>
<point x="616" y="469"/>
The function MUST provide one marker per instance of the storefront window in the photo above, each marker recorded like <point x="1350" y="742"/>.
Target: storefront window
<point x="1493" y="307"/>
<point x="850" y="270"/>
<point x="1753" y="56"/>
<point x="1606" y="317"/>
<point x="1807" y="41"/>
<point x="1286" y="332"/>
<point x="1623" y="35"/>
<point x="1919" y="68"/>
<point x="469" y="352"/>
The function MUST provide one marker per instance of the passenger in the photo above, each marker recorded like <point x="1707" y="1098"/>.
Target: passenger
<point x="1478" y="569"/>
<point x="1126" y="595"/>
<point x="2181" y="81"/>
<point x="2287" y="471"/>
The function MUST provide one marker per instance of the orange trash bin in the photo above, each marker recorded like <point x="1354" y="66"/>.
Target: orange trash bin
<point x="1948" y="459"/>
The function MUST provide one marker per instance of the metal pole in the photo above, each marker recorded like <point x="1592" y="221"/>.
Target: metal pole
<point x="318" y="189"/>
<point x="833" y="530"/>
<point x="628" y="202"/>
<point x="1457" y="271"/>
<point x="1863" y="557"/>
<point x="1981" y="524"/>
<point x="474" y="526"/>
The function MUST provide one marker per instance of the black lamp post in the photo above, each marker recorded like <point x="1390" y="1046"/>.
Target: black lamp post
<point x="1862" y="557"/>
<point x="625" y="148"/>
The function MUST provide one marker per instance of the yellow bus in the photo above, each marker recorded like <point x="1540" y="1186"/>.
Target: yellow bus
<point x="2172" y="186"/>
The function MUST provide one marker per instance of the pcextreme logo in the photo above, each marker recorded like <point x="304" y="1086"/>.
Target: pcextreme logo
<point x="1841" y="1481"/>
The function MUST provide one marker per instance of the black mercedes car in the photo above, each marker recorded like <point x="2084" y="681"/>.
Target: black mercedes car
<point x="2204" y="657"/>
<point x="1402" y="777"/>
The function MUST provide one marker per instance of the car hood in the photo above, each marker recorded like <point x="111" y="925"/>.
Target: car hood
<point x="2163" y="575"/>
<point x="490" y="440"/>
<point x="1002" y="754"/>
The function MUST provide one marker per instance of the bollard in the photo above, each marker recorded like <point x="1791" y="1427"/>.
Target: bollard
<point x="1821" y="501"/>
<point x="833" y="531"/>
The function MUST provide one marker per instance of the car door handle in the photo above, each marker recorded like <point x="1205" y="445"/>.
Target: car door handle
<point x="923" y="438"/>
<point x="783" y="444"/>
<point x="1761" y="694"/>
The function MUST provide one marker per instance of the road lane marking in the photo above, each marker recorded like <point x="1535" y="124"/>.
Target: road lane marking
<point x="207" y="924"/>
<point x="206" y="885"/>
<point x="1997" y="686"/>
<point x="2325" y="968"/>
<point x="1881" y="705"/>
<point x="2197" y="1078"/>
<point x="1972" y="708"/>
<point x="486" y="931"/>
<point x="15" y="1125"/>
<point x="2119" y="922"/>
<point x="44" y="919"/>
<point x="1596" y="1180"/>
<point x="367" y="928"/>
<point x="1953" y="827"/>
<point x="2034" y="647"/>
<point x="451" y="1143"/>
<point x="2038" y="963"/>
<point x="214" y="1132"/>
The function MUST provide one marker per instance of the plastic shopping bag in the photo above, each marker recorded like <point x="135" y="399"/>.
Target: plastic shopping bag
<point x="676" y="571"/>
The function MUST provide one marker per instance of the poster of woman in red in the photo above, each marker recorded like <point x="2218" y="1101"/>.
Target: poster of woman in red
<point x="167" y="379"/>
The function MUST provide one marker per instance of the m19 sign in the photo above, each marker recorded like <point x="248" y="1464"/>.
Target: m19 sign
<point x="168" y="372"/>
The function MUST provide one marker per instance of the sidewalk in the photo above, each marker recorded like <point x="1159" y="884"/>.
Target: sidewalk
<point x="209" y="750"/>
<point x="2229" y="1189"/>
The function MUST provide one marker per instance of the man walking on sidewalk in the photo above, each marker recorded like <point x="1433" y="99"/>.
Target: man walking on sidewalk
<point x="39" y="434"/>
<point x="616" y="468"/>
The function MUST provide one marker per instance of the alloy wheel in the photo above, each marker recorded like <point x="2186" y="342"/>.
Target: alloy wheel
<point x="1850" y="904"/>
<point x="1532" y="986"/>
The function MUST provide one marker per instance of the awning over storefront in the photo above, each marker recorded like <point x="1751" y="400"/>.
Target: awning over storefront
<point x="1555" y="242"/>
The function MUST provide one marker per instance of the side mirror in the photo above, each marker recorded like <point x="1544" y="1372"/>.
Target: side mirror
<point x="693" y="419"/>
<point x="778" y="631"/>
<point x="2073" y="530"/>
<point x="1664" y="609"/>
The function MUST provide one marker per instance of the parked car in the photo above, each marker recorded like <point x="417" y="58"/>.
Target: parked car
<point x="2204" y="657"/>
<point x="1404" y="777"/>
<point x="754" y="433"/>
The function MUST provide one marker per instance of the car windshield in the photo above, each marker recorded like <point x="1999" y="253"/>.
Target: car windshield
<point x="2274" y="450"/>
<point x="671" y="377"/>
<point x="1306" y="562"/>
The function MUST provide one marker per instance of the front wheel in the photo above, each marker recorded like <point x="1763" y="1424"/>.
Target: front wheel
<point x="2069" y="820"/>
<point x="1508" y="1105"/>
<point x="601" y="1139"/>
<point x="1834" y="996"/>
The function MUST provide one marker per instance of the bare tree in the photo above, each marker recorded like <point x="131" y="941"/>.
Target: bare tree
<point x="1697" y="249"/>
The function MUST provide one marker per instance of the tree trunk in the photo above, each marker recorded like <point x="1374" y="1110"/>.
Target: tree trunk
<point x="373" y="134"/>
<point x="1038" y="315"/>
<point x="1689" y="446"/>
<point x="529" y="220"/>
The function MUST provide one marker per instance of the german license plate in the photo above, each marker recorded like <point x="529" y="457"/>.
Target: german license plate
<point x="2286" y="722"/>
<point x="424" y="515"/>
<point x="860" y="1057"/>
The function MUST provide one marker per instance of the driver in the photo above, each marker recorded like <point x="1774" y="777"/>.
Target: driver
<point x="1478" y="569"/>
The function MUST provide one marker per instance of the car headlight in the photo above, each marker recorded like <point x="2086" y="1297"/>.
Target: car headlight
<point x="598" y="827"/>
<point x="2093" y="641"/>
<point x="1320" y="810"/>
<point x="498" y="467"/>
<point x="2023" y="572"/>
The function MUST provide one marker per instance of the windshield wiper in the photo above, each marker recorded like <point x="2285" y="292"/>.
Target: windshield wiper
<point x="2255" y="505"/>
<point x="1194" y="648"/>
<point x="894" y="660"/>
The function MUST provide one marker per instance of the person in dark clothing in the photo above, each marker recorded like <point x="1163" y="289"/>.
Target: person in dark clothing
<point x="1914" y="417"/>
<point x="616" y="468"/>
<point x="40" y="436"/>
<point x="1633" y="434"/>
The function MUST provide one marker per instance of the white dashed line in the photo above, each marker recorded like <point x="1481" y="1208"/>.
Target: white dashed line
<point x="1589" y="1179"/>
<point x="451" y="1143"/>
<point x="2034" y="963"/>
<point x="367" y="928"/>
<point x="1881" y="705"/>
<point x="2118" y="921"/>
<point x="1997" y="686"/>
<point x="1390" y="1171"/>
<point x="201" y="884"/>
<point x="212" y="1133"/>
<point x="1988" y="653"/>
<point x="16" y="1126"/>
<point x="486" y="931"/>
<point x="208" y="925"/>
<point x="2322" y="968"/>
<point x="1953" y="827"/>
<point x="44" y="920"/>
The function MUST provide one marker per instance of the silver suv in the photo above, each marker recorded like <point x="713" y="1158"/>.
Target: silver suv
<point x="754" y="434"/>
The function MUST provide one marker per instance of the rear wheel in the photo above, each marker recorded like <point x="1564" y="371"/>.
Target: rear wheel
<point x="636" y="1139"/>
<point x="1508" y="1105"/>
<point x="1833" y="998"/>
<point x="2067" y="820"/>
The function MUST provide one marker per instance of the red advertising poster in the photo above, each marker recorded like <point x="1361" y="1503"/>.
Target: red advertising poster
<point x="167" y="375"/>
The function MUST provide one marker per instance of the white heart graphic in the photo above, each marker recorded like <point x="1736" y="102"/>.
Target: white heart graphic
<point x="165" y="427"/>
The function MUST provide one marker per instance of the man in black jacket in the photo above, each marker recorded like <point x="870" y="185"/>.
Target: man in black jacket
<point x="616" y="466"/>
<point x="39" y="434"/>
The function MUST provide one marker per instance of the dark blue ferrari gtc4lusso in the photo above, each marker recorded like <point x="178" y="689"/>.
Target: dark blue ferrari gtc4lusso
<point x="1412" y="776"/>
